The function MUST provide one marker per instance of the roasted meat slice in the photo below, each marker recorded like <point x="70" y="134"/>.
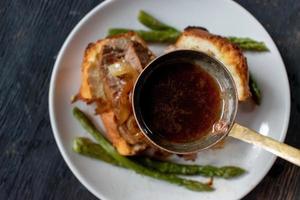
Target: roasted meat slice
<point x="109" y="70"/>
<point x="223" y="50"/>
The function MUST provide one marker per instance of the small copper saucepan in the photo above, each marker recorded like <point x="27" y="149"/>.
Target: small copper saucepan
<point x="224" y="126"/>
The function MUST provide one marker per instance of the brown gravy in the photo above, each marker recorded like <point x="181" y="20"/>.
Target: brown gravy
<point x="181" y="102"/>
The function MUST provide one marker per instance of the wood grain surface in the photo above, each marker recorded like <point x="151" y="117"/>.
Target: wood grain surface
<point x="31" y="34"/>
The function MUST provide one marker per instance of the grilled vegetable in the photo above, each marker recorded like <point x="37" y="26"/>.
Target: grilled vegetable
<point x="205" y="170"/>
<point x="248" y="44"/>
<point x="255" y="91"/>
<point x="167" y="36"/>
<point x="86" y="147"/>
<point x="153" y="23"/>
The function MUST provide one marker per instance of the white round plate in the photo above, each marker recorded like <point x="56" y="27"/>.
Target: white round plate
<point x="221" y="17"/>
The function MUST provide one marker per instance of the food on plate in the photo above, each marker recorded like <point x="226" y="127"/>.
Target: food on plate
<point x="248" y="44"/>
<point x="162" y="32"/>
<point x="255" y="91"/>
<point x="223" y="50"/>
<point x="127" y="163"/>
<point x="153" y="23"/>
<point x="170" y="36"/>
<point x="109" y="70"/>
<point x="124" y="49"/>
<point x="149" y="36"/>
<point x="91" y="149"/>
<point x="159" y="28"/>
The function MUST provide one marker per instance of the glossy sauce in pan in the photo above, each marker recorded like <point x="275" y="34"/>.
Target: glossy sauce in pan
<point x="181" y="102"/>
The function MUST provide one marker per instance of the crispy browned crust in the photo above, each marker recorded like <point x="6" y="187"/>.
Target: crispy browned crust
<point x="90" y="64"/>
<point x="113" y="134"/>
<point x="228" y="53"/>
<point x="92" y="88"/>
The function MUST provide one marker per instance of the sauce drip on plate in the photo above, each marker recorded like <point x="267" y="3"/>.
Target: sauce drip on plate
<point x="181" y="102"/>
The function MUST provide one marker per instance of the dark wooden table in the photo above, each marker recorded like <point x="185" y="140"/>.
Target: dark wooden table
<point x="31" y="34"/>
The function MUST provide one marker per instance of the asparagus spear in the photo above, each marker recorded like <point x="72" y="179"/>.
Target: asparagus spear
<point x="149" y="36"/>
<point x="244" y="43"/>
<point x="116" y="31"/>
<point x="255" y="91"/>
<point x="248" y="44"/>
<point x="169" y="36"/>
<point x="89" y="127"/>
<point x="206" y="170"/>
<point x="86" y="147"/>
<point x="153" y="23"/>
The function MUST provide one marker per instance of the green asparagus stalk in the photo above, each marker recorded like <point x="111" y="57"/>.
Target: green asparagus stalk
<point x="162" y="32"/>
<point x="205" y="170"/>
<point x="153" y="23"/>
<point x="244" y="43"/>
<point x="86" y="147"/>
<point x="149" y="36"/>
<point x="89" y="127"/>
<point x="248" y="44"/>
<point x="255" y="91"/>
<point x="169" y="36"/>
<point x="116" y="31"/>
